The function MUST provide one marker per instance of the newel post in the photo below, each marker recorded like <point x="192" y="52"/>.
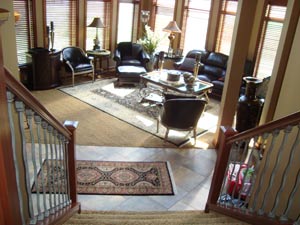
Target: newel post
<point x="71" y="154"/>
<point x="220" y="167"/>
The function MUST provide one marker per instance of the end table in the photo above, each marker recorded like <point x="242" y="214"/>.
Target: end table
<point x="99" y="56"/>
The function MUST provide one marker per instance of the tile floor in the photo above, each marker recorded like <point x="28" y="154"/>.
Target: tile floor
<point x="192" y="172"/>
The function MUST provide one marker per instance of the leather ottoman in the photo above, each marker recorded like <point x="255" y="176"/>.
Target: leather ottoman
<point x="129" y="74"/>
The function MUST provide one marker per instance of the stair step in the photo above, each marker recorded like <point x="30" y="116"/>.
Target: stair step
<point x="135" y="218"/>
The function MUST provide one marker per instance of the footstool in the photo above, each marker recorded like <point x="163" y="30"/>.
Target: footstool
<point x="129" y="74"/>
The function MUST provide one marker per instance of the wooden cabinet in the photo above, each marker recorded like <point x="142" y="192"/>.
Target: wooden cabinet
<point x="45" y="66"/>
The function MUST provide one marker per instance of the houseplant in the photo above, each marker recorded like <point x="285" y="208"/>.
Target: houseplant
<point x="150" y="42"/>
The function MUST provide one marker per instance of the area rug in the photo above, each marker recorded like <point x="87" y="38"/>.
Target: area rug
<point x="112" y="178"/>
<point x="124" y="104"/>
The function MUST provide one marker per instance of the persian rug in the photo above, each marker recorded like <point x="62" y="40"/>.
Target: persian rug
<point x="112" y="177"/>
<point x="125" y="104"/>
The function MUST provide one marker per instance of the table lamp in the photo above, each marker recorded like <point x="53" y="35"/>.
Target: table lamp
<point x="172" y="28"/>
<point x="98" y="24"/>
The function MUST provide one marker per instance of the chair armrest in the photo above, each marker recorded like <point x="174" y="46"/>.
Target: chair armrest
<point x="178" y="63"/>
<point x="68" y="63"/>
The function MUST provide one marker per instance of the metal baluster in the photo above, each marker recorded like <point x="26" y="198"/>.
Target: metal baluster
<point x="10" y="100"/>
<point x="20" y="109"/>
<point x="278" y="159"/>
<point x="51" y="172"/>
<point x="295" y="189"/>
<point x="236" y="204"/>
<point x="44" y="126"/>
<point x="232" y="151"/>
<point x="29" y="114"/>
<point x="57" y="172"/>
<point x="67" y="171"/>
<point x="275" y="133"/>
<point x="61" y="196"/>
<point x="240" y="162"/>
<point x="64" y="170"/>
<point x="285" y="172"/>
<point x="38" y="121"/>
<point x="257" y="168"/>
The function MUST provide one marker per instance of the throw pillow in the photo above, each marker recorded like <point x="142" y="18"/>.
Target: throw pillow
<point x="187" y="64"/>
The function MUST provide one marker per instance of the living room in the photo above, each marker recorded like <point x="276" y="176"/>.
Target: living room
<point x="285" y="62"/>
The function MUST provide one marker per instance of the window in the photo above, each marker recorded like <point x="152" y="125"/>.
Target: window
<point x="24" y="28"/>
<point x="63" y="14"/>
<point x="164" y="13"/>
<point x="195" y="24"/>
<point x="102" y="9"/>
<point x="127" y="28"/>
<point x="226" y="25"/>
<point x="271" y="31"/>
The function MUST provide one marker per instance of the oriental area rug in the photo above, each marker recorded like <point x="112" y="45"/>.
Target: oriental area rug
<point x="125" y="104"/>
<point x="112" y="177"/>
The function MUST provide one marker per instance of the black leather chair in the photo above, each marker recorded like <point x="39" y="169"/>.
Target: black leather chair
<point x="131" y="61"/>
<point x="77" y="62"/>
<point x="181" y="114"/>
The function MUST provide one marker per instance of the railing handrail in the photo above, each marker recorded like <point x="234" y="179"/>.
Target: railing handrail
<point x="23" y="94"/>
<point x="291" y="119"/>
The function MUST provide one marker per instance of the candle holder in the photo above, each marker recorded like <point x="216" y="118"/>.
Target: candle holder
<point x="197" y="65"/>
<point x="52" y="36"/>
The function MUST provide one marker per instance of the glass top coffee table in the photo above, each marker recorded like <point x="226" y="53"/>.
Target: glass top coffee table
<point x="159" y="78"/>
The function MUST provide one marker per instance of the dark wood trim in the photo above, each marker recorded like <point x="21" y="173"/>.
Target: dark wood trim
<point x="220" y="166"/>
<point x="44" y="23"/>
<point x="209" y="25"/>
<point x="71" y="126"/>
<point x="23" y="94"/>
<point x="77" y="22"/>
<point x="249" y="218"/>
<point x="34" y="23"/>
<point x="9" y="201"/>
<point x="84" y="22"/>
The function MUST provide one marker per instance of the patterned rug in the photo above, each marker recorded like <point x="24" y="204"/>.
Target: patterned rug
<point x="124" y="104"/>
<point x="112" y="178"/>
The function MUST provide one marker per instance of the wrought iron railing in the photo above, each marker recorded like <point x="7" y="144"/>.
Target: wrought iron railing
<point x="257" y="175"/>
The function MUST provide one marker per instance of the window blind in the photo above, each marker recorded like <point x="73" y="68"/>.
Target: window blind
<point x="226" y="25"/>
<point x="24" y="28"/>
<point x="269" y="40"/>
<point x="195" y="20"/>
<point x="102" y="9"/>
<point x="63" y="13"/>
<point x="164" y="13"/>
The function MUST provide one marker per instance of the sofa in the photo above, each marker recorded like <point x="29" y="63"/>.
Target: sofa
<point x="213" y="68"/>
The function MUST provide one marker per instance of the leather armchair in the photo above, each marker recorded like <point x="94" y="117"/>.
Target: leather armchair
<point x="181" y="114"/>
<point x="77" y="62"/>
<point x="130" y="54"/>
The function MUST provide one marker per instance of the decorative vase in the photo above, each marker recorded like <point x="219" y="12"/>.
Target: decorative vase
<point x="249" y="106"/>
<point x="150" y="64"/>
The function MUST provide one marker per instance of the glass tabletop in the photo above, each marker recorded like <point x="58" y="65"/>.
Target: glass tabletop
<point x="160" y="78"/>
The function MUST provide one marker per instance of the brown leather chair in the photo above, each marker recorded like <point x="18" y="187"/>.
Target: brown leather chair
<point x="181" y="114"/>
<point x="77" y="62"/>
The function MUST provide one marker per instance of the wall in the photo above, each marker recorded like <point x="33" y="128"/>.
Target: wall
<point x="288" y="101"/>
<point x="9" y="40"/>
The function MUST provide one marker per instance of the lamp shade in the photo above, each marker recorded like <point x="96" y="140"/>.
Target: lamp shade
<point x="96" y="23"/>
<point x="172" y="27"/>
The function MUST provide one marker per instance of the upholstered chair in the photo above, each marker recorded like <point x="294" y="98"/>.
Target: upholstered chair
<point x="77" y="62"/>
<point x="131" y="61"/>
<point x="181" y="114"/>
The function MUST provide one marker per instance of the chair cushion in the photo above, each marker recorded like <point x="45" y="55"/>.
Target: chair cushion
<point x="217" y="59"/>
<point x="82" y="67"/>
<point x="130" y="61"/>
<point x="171" y="95"/>
<point x="130" y="71"/>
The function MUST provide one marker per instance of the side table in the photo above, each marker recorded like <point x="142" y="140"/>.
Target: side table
<point x="99" y="56"/>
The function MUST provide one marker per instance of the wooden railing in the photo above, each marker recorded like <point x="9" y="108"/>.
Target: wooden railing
<point x="257" y="173"/>
<point x="30" y="139"/>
